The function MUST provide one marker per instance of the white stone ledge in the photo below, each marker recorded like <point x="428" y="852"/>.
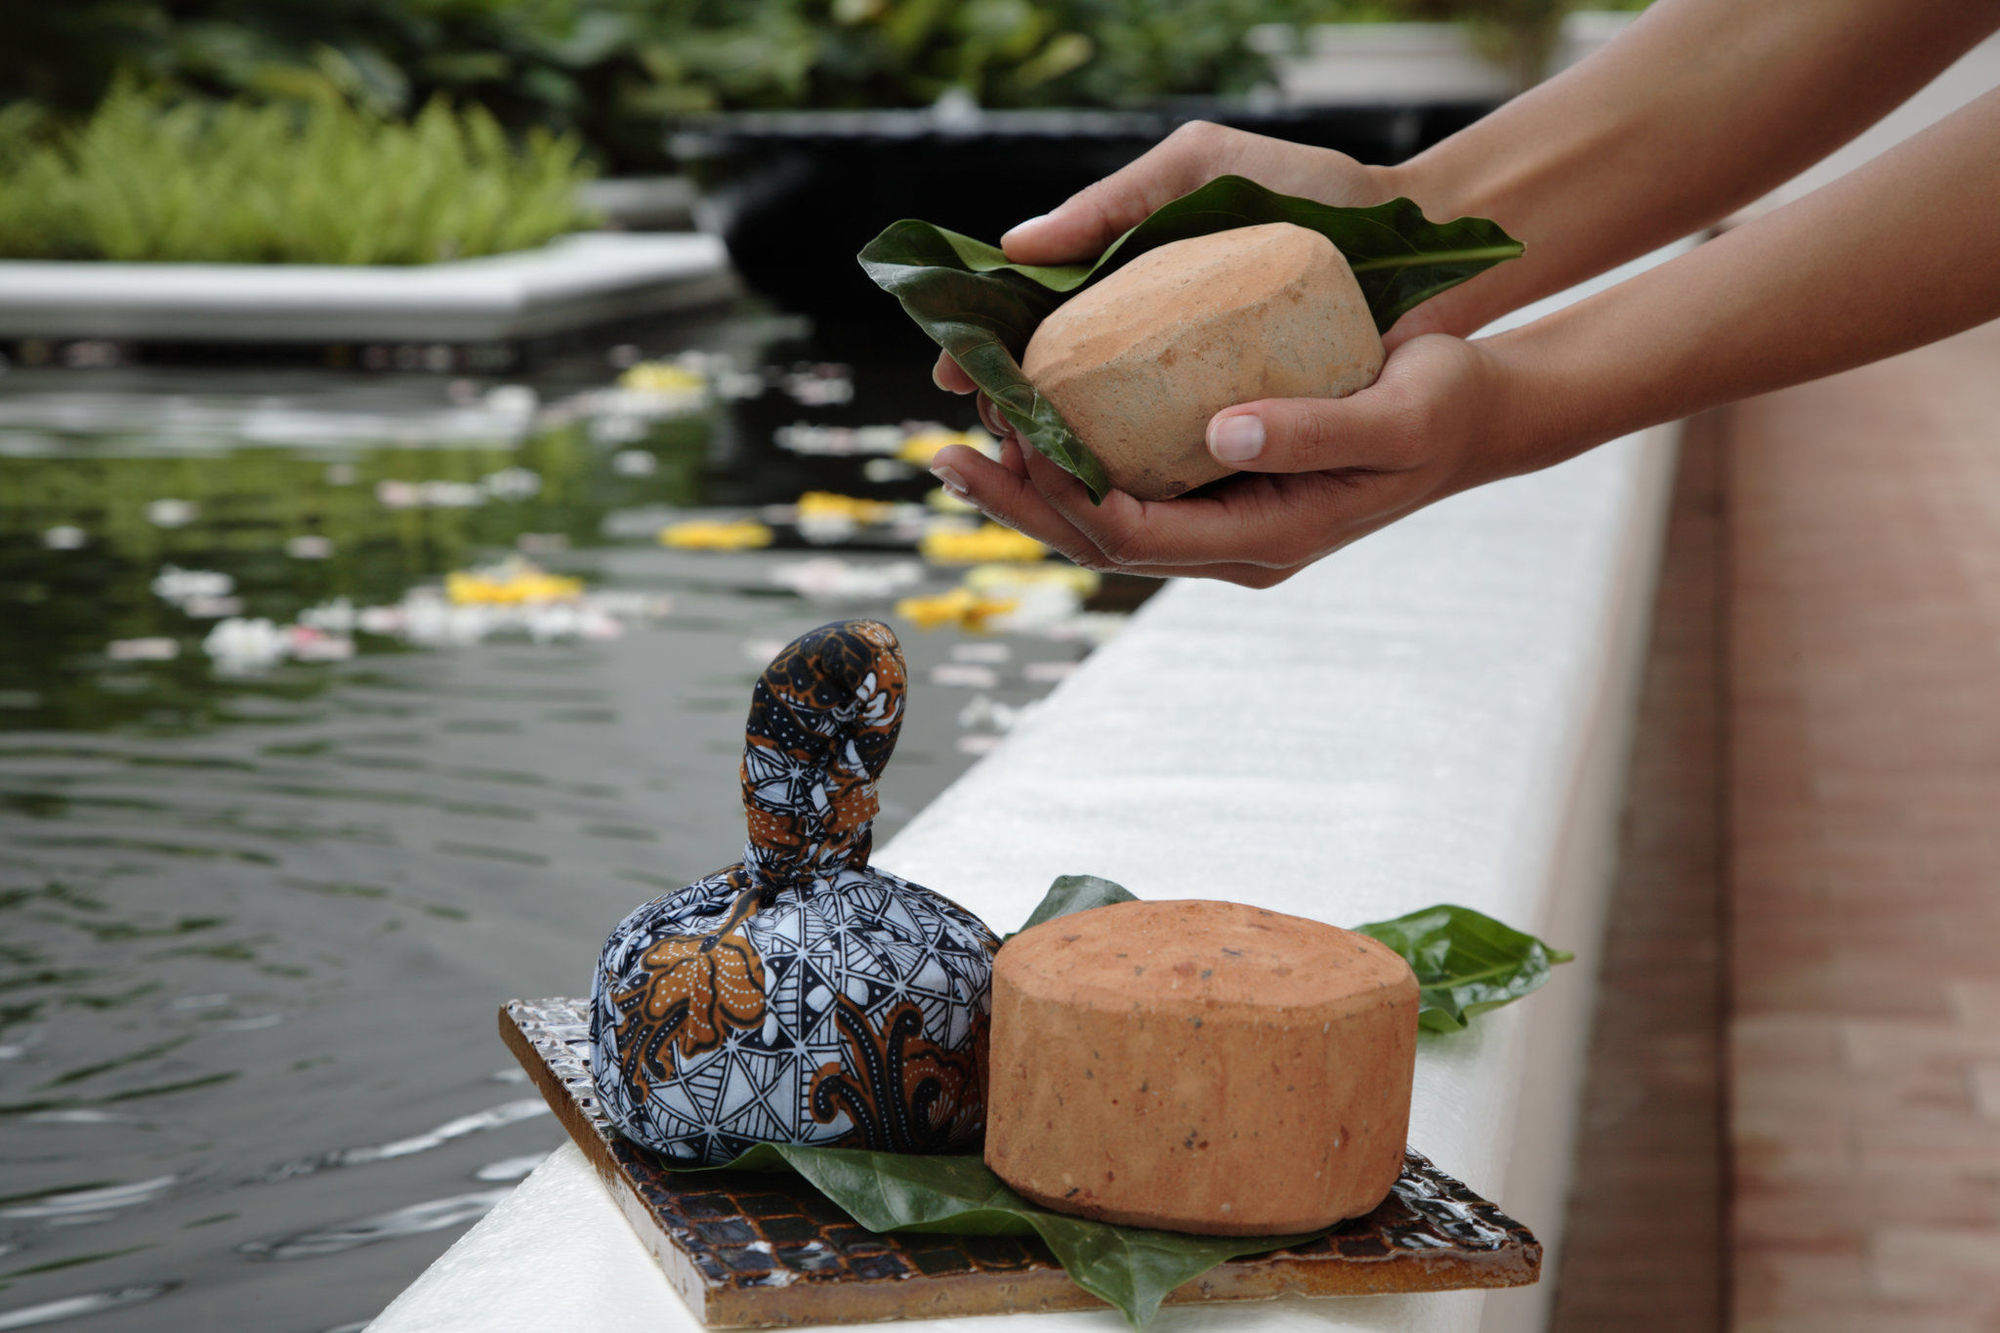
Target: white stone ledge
<point x="569" y="283"/>
<point x="1439" y="713"/>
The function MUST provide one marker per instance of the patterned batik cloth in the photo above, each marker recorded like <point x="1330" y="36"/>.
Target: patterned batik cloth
<point x="800" y="996"/>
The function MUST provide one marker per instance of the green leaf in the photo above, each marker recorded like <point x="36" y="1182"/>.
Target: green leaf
<point x="1132" y="1268"/>
<point x="1465" y="961"/>
<point x="983" y="310"/>
<point x="1077" y="893"/>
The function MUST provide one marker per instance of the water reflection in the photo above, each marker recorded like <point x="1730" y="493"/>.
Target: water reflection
<point x="86" y="1204"/>
<point x="507" y="1113"/>
<point x="414" y="1220"/>
<point x="257" y="908"/>
<point x="73" y="1307"/>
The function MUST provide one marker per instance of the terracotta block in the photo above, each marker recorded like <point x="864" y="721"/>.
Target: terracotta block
<point x="1869" y="1319"/>
<point x="1773" y="1281"/>
<point x="1914" y="1131"/>
<point x="1935" y="1265"/>
<point x="1878" y="1044"/>
<point x="1771" y="1153"/>
<point x="1985" y="1081"/>
<point x="1816" y="1212"/>
<point x="1977" y="1003"/>
<point x="1776" y="1041"/>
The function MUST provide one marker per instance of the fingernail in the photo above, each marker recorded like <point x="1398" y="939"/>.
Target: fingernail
<point x="1034" y="221"/>
<point x="1236" y="439"/>
<point x="937" y="375"/>
<point x="948" y="478"/>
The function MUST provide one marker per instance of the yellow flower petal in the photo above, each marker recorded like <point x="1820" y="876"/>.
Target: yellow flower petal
<point x="828" y="504"/>
<point x="515" y="583"/>
<point x="944" y="502"/>
<point x="981" y="545"/>
<point x="711" y="535"/>
<point x="999" y="580"/>
<point x="921" y="447"/>
<point x="960" y="607"/>
<point x="662" y="377"/>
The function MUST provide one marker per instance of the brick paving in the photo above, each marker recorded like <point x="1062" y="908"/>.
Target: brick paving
<point x="1864" y="848"/>
<point x="1643" y="1242"/>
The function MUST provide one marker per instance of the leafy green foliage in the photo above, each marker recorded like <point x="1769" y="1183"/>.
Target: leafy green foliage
<point x="1466" y="962"/>
<point x="611" y="69"/>
<point x="983" y="309"/>
<point x="1132" y="1268"/>
<point x="317" y="182"/>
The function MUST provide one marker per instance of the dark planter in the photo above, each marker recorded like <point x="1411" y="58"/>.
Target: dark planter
<point x="796" y="194"/>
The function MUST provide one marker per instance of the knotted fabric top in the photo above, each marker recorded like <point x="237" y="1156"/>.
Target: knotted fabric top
<point x="823" y="723"/>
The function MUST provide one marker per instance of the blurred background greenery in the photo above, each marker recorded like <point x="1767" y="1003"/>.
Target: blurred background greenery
<point x="612" y="70"/>
<point x="149" y="177"/>
<point x="407" y="131"/>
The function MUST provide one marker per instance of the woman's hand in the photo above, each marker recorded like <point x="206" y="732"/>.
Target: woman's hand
<point x="1315" y="473"/>
<point x="1190" y="157"/>
<point x="1327" y="471"/>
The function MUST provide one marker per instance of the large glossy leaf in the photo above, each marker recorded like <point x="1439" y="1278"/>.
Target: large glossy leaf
<point x="1465" y="961"/>
<point x="983" y="309"/>
<point x="982" y="313"/>
<point x="1132" y="1268"/>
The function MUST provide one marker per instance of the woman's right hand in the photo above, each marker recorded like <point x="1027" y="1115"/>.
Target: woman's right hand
<point x="1193" y="155"/>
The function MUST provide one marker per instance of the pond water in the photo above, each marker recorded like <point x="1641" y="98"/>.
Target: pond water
<point x="263" y="886"/>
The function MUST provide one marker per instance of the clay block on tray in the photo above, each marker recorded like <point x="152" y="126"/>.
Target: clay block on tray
<point x="755" y="1250"/>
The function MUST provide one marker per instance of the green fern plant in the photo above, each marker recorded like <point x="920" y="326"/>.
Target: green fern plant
<point x="322" y="182"/>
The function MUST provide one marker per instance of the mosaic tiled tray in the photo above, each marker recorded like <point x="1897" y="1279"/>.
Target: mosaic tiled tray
<point x="753" y="1250"/>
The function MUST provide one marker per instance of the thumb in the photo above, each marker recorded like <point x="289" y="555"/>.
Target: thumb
<point x="1426" y="385"/>
<point x="1306" y="435"/>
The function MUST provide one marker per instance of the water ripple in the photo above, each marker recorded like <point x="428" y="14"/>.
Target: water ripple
<point x="101" y="1199"/>
<point x="73" y="1307"/>
<point x="510" y="1168"/>
<point x="507" y="1113"/>
<point x="434" y="1215"/>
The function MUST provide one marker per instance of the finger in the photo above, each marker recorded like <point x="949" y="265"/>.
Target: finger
<point x="947" y="376"/>
<point x="1010" y="456"/>
<point x="995" y="421"/>
<point x="1007" y="496"/>
<point x="1089" y="220"/>
<point x="1273" y="523"/>
<point x="1142" y="536"/>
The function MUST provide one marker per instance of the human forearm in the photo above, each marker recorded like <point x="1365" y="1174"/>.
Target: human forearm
<point x="1891" y="257"/>
<point x="1698" y="109"/>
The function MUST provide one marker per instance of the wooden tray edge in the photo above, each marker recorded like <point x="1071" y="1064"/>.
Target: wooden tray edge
<point x="924" y="1297"/>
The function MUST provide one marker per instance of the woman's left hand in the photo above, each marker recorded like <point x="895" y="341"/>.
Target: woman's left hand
<point x="1315" y="474"/>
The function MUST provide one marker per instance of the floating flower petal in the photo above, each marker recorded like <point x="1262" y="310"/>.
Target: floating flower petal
<point x="711" y="535"/>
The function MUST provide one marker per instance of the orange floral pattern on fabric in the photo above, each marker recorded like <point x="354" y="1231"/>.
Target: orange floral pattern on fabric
<point x="695" y="989"/>
<point x="902" y="1093"/>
